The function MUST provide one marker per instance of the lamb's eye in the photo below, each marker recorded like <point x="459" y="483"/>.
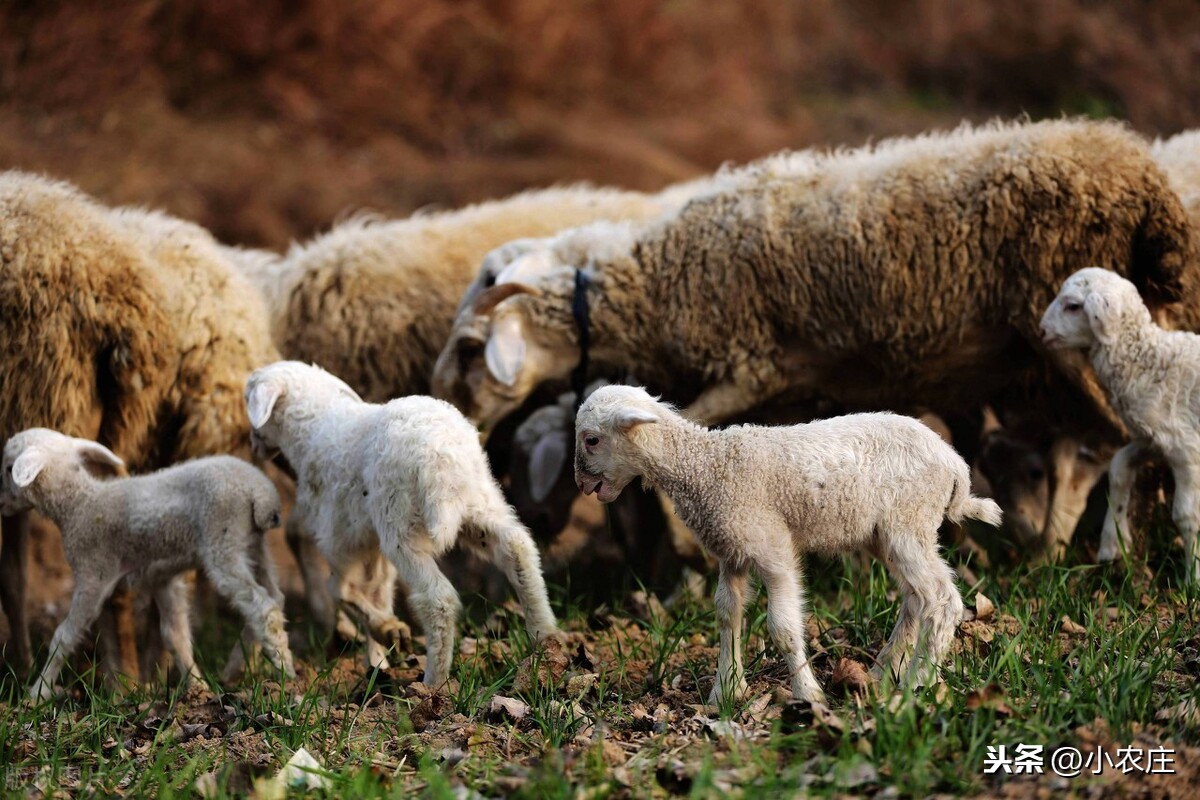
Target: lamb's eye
<point x="591" y="441"/>
<point x="1072" y="306"/>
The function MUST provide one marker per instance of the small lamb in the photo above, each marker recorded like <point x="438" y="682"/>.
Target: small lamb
<point x="760" y="497"/>
<point x="403" y="478"/>
<point x="210" y="513"/>
<point x="1151" y="377"/>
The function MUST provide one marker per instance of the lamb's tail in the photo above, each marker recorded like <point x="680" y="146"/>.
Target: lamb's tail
<point x="964" y="505"/>
<point x="265" y="510"/>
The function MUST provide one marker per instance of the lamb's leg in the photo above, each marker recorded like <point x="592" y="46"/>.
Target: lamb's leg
<point x="897" y="652"/>
<point x="247" y="647"/>
<point x="232" y="576"/>
<point x="118" y="636"/>
<point x="1115" y="536"/>
<point x="434" y="602"/>
<point x="91" y="592"/>
<point x="785" y="621"/>
<point x="316" y="579"/>
<point x="730" y="601"/>
<point x="1186" y="513"/>
<point x="504" y="541"/>
<point x="366" y="590"/>
<point x="930" y="596"/>
<point x="14" y="546"/>
<point x="174" y="607"/>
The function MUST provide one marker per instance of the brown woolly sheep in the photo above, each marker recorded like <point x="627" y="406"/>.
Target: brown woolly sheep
<point x="123" y="326"/>
<point x="909" y="273"/>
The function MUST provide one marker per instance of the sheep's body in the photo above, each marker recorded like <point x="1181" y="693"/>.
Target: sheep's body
<point x="402" y="478"/>
<point x="911" y="273"/>
<point x="139" y="329"/>
<point x="759" y="497"/>
<point x="1151" y="375"/>
<point x="372" y="300"/>
<point x="211" y="514"/>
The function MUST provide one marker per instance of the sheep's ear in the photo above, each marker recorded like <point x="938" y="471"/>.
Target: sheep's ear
<point x="28" y="466"/>
<point x="991" y="423"/>
<point x="505" y="350"/>
<point x="545" y="464"/>
<point x="1102" y="316"/>
<point x="100" y="461"/>
<point x="490" y="298"/>
<point x="260" y="402"/>
<point x="530" y="265"/>
<point x="629" y="418"/>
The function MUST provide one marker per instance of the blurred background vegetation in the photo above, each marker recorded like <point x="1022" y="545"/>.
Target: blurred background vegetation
<point x="266" y="120"/>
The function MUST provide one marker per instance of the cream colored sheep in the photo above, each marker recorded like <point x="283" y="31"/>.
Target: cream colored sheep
<point x="909" y="273"/>
<point x="759" y="498"/>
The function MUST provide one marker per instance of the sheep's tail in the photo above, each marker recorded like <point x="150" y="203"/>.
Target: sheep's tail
<point x="964" y="505"/>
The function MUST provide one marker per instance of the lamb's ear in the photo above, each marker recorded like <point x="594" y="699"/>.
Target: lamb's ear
<point x="1102" y="316"/>
<point x="100" y="461"/>
<point x="505" y="350"/>
<point x="629" y="418"/>
<point x="546" y="462"/>
<point x="28" y="466"/>
<point x="526" y="267"/>
<point x="260" y="402"/>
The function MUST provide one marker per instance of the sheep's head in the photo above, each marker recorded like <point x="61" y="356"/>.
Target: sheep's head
<point x="497" y="356"/>
<point x="518" y="261"/>
<point x="1093" y="306"/>
<point x="274" y="390"/>
<point x="606" y="433"/>
<point x="34" y="456"/>
<point x="1014" y="469"/>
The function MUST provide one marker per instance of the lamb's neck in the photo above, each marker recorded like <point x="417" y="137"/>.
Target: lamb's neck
<point x="1138" y="350"/>
<point x="683" y="460"/>
<point x="304" y="447"/>
<point x="67" y="498"/>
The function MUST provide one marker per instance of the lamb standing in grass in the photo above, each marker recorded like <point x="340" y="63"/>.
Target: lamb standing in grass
<point x="211" y="513"/>
<point x="1151" y="377"/>
<point x="759" y="497"/>
<point x="403" y="478"/>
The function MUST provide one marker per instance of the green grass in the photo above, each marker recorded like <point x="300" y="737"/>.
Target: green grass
<point x="640" y="727"/>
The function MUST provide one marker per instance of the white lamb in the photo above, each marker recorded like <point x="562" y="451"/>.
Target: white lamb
<point x="760" y="497"/>
<point x="211" y="513"/>
<point x="1151" y="376"/>
<point x="404" y="478"/>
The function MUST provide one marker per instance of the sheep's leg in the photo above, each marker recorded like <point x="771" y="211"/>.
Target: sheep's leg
<point x="434" y="602"/>
<point x="247" y="647"/>
<point x="931" y="597"/>
<point x="721" y="402"/>
<point x="1186" y="513"/>
<point x="232" y="577"/>
<point x="316" y="580"/>
<point x="730" y="601"/>
<point x="897" y="651"/>
<point x="785" y="621"/>
<point x="91" y="592"/>
<point x="506" y="543"/>
<point x="1116" y="536"/>
<point x="14" y="545"/>
<point x="174" y="606"/>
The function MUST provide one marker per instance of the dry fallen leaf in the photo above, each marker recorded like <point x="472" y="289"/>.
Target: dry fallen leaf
<point x="985" y="609"/>
<point x="1187" y="712"/>
<point x="1072" y="627"/>
<point x="544" y="666"/>
<point x="990" y="696"/>
<point x="851" y="677"/>
<point x="502" y="707"/>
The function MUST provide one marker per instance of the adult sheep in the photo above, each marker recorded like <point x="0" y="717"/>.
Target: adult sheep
<point x="909" y="273"/>
<point x="124" y="326"/>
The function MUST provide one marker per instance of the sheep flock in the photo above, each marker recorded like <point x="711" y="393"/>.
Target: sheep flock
<point x="916" y="350"/>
